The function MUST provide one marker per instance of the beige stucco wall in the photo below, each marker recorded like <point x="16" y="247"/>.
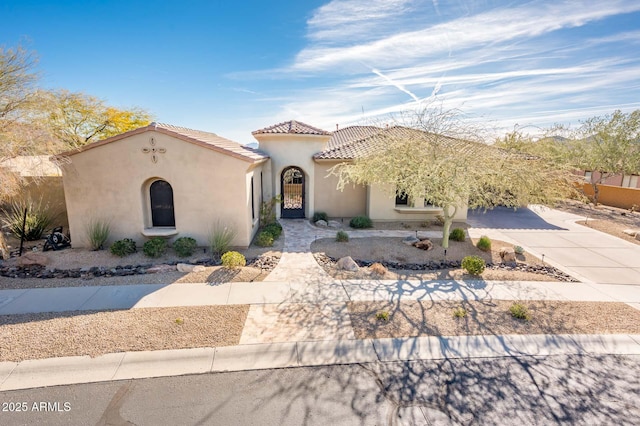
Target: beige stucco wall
<point x="381" y="206"/>
<point x="351" y="201"/>
<point x="293" y="150"/>
<point x="49" y="189"/>
<point x="111" y="182"/>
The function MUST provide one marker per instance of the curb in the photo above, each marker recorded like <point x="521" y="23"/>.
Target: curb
<point x="136" y="365"/>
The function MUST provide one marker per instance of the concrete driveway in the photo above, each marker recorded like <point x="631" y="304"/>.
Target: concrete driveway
<point x="589" y="255"/>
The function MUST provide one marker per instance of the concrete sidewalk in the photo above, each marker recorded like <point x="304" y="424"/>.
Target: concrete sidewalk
<point x="132" y="365"/>
<point x="64" y="299"/>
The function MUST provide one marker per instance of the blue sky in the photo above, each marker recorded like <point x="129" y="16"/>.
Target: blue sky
<point x="233" y="67"/>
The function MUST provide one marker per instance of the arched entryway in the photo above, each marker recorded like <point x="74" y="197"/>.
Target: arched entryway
<point x="161" y="196"/>
<point x="292" y="184"/>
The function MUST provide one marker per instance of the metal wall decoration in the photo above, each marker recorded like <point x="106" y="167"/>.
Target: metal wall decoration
<point x="154" y="151"/>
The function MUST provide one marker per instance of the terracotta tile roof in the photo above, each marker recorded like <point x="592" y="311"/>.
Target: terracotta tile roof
<point x="350" y="134"/>
<point x="198" y="137"/>
<point x="293" y="127"/>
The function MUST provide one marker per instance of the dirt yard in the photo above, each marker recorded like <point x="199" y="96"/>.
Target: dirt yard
<point x="394" y="250"/>
<point x="411" y="319"/>
<point x="606" y="219"/>
<point x="36" y="336"/>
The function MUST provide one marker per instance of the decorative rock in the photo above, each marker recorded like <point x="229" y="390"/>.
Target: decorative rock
<point x="425" y="244"/>
<point x="507" y="254"/>
<point x="161" y="268"/>
<point x="33" y="258"/>
<point x="632" y="232"/>
<point x="410" y="240"/>
<point x="185" y="267"/>
<point x="334" y="224"/>
<point x="322" y="223"/>
<point x="638" y="236"/>
<point x="347" y="264"/>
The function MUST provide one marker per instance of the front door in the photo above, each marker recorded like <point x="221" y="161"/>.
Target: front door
<point x="292" y="182"/>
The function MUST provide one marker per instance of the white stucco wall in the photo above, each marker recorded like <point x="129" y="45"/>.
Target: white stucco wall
<point x="293" y="150"/>
<point x="381" y="206"/>
<point x="110" y="182"/>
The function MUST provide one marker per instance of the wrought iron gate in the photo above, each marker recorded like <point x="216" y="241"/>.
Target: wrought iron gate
<point x="292" y="182"/>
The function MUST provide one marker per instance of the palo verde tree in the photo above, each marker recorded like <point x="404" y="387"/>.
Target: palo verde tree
<point x="608" y="145"/>
<point x="77" y="119"/>
<point x="433" y="158"/>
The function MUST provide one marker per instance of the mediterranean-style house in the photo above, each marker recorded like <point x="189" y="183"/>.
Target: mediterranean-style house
<point x="168" y="181"/>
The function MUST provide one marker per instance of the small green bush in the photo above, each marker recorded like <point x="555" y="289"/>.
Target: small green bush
<point x="382" y="316"/>
<point x="233" y="259"/>
<point x="457" y="235"/>
<point x="155" y="247"/>
<point x="38" y="219"/>
<point x="185" y="246"/>
<point x="361" y="222"/>
<point x="264" y="239"/>
<point x="474" y="265"/>
<point x="342" y="237"/>
<point x="320" y="216"/>
<point x="520" y="311"/>
<point x="484" y="243"/>
<point x="98" y="233"/>
<point x="518" y="249"/>
<point x="123" y="247"/>
<point x="459" y="312"/>
<point x="220" y="238"/>
<point x="275" y="229"/>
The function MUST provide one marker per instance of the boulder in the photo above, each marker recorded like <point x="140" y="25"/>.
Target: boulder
<point x="185" y="267"/>
<point x="322" y="223"/>
<point x="410" y="240"/>
<point x="507" y="254"/>
<point x="334" y="224"/>
<point x="638" y="236"/>
<point x="425" y="244"/>
<point x="33" y="258"/>
<point x="378" y="268"/>
<point x="632" y="232"/>
<point x="160" y="269"/>
<point x="347" y="264"/>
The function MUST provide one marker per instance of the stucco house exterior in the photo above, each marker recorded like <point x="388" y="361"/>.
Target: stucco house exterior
<point x="168" y="181"/>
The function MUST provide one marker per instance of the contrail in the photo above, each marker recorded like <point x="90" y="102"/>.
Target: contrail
<point x="398" y="86"/>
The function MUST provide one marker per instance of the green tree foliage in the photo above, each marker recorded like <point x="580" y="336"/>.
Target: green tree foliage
<point x="433" y="157"/>
<point x="77" y="119"/>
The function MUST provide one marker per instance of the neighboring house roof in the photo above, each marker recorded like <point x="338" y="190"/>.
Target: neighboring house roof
<point x="291" y="127"/>
<point x="32" y="166"/>
<point x="198" y="137"/>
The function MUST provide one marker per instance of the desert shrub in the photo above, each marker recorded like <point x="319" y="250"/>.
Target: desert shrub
<point x="264" y="239"/>
<point x="459" y="312"/>
<point x="155" y="247"/>
<point x="275" y="229"/>
<point x="342" y="237"/>
<point x="518" y="249"/>
<point x="378" y="268"/>
<point x="457" y="234"/>
<point x="520" y="311"/>
<point x="320" y="216"/>
<point x="382" y="316"/>
<point x="123" y="247"/>
<point x="267" y="211"/>
<point x="440" y="220"/>
<point x="220" y="238"/>
<point x="361" y="222"/>
<point x="98" y="231"/>
<point x="184" y="246"/>
<point x="233" y="259"/>
<point x="484" y="243"/>
<point x="38" y="219"/>
<point x="474" y="265"/>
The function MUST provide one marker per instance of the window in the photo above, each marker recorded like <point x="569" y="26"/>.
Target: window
<point x="253" y="208"/>
<point x="402" y="199"/>
<point x="161" y="197"/>
<point x="587" y="177"/>
<point x="630" y="181"/>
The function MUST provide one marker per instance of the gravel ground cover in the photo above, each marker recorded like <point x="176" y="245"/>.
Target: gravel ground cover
<point x="386" y="249"/>
<point x="411" y="319"/>
<point x="36" y="336"/>
<point x="610" y="220"/>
